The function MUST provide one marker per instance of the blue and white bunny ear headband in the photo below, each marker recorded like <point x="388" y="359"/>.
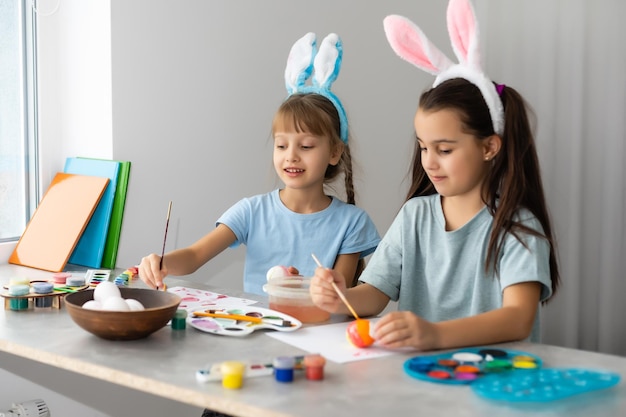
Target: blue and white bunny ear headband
<point x="409" y="43"/>
<point x="304" y="59"/>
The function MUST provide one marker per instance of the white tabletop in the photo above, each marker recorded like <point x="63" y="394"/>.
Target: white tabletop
<point x="165" y="363"/>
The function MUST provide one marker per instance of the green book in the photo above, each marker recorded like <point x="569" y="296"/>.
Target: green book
<point x="109" y="257"/>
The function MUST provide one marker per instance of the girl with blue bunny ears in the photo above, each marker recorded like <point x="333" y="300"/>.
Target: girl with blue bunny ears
<point x="471" y="254"/>
<point x="285" y="226"/>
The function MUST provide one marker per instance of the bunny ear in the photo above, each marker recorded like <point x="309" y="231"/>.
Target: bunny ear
<point x="463" y="31"/>
<point x="409" y="43"/>
<point x="328" y="61"/>
<point x="300" y="62"/>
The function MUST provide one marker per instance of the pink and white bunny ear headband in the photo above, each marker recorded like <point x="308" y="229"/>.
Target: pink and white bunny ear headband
<point x="409" y="43"/>
<point x="304" y="59"/>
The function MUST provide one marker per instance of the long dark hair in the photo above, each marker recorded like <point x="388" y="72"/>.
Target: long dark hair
<point x="514" y="179"/>
<point x="314" y="113"/>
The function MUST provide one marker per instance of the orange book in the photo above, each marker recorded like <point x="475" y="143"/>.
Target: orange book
<point x="59" y="221"/>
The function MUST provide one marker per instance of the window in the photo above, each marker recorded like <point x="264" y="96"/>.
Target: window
<point x="18" y="168"/>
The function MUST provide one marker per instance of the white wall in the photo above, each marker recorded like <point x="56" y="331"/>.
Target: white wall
<point x="195" y="87"/>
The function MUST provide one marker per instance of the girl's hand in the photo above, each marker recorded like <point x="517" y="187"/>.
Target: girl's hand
<point x="405" y="329"/>
<point x="322" y="291"/>
<point x="150" y="273"/>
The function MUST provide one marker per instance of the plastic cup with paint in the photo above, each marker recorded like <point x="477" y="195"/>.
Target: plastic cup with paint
<point x="232" y="374"/>
<point x="283" y="368"/>
<point x="43" y="288"/>
<point x="314" y="367"/>
<point x="19" y="291"/>
<point x="179" y="321"/>
<point x="290" y="295"/>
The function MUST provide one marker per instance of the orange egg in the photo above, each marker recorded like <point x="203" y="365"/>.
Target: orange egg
<point x="358" y="333"/>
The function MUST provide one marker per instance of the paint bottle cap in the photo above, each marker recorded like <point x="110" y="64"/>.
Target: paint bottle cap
<point x="19" y="281"/>
<point x="284" y="362"/>
<point x="314" y="360"/>
<point x="42" y="287"/>
<point x="75" y="281"/>
<point x="60" y="277"/>
<point x="19" y="289"/>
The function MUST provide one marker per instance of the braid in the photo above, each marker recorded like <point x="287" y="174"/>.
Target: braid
<point x="346" y="160"/>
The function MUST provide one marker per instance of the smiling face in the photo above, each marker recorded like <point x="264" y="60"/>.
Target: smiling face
<point x="301" y="158"/>
<point x="453" y="160"/>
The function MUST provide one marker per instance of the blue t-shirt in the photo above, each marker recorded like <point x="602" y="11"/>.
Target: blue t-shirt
<point x="440" y="275"/>
<point x="275" y="235"/>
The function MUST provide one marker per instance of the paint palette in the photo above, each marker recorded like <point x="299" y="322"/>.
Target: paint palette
<point x="543" y="385"/>
<point x="235" y="327"/>
<point x="469" y="365"/>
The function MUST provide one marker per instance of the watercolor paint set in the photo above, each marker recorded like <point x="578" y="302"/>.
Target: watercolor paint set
<point x="241" y="320"/>
<point x="507" y="375"/>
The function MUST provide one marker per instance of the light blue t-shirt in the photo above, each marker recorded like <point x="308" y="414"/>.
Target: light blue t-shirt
<point x="440" y="275"/>
<point x="275" y="235"/>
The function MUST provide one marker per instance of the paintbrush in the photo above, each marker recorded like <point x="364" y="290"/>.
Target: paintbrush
<point x="167" y="224"/>
<point x="337" y="290"/>
<point x="268" y="320"/>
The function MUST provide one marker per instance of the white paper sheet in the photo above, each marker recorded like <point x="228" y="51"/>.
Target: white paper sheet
<point x="330" y="341"/>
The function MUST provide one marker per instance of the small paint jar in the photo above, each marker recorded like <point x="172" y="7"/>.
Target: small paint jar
<point x="60" y="277"/>
<point x="43" y="288"/>
<point x="314" y="367"/>
<point x="179" y="321"/>
<point x="19" y="290"/>
<point x="232" y="374"/>
<point x="75" y="281"/>
<point x="283" y="368"/>
<point x="19" y="281"/>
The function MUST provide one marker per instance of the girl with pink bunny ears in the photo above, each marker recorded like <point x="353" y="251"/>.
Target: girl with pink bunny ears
<point x="471" y="255"/>
<point x="284" y="226"/>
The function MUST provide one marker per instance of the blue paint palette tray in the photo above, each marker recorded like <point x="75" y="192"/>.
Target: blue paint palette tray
<point x="469" y="365"/>
<point x="543" y="385"/>
<point x="507" y="375"/>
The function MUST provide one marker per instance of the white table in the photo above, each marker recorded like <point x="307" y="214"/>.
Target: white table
<point x="164" y="364"/>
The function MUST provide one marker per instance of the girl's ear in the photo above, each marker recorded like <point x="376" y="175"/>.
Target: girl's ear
<point x="336" y="152"/>
<point x="491" y="147"/>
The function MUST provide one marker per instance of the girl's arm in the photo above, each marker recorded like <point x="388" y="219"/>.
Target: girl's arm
<point x="186" y="260"/>
<point x="346" y="265"/>
<point x="513" y="321"/>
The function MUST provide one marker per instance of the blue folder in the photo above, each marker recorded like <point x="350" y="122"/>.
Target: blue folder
<point x="90" y="247"/>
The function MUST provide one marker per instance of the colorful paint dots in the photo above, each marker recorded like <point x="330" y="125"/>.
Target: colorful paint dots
<point x="468" y="365"/>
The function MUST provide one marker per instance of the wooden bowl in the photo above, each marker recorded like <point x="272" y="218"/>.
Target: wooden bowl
<point x="160" y="307"/>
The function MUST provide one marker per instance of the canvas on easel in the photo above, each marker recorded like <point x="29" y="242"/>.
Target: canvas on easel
<point x="90" y="247"/>
<point x="57" y="224"/>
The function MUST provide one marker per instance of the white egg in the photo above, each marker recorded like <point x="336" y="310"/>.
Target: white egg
<point x="134" y="305"/>
<point x="115" y="304"/>
<point x="93" y="305"/>
<point x="105" y="290"/>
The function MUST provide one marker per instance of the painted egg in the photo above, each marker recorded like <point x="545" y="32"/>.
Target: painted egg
<point x="105" y="290"/>
<point x="280" y="271"/>
<point x="358" y="333"/>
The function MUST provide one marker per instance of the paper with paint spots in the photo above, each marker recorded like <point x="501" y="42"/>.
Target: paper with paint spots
<point x="331" y="342"/>
<point x="193" y="299"/>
